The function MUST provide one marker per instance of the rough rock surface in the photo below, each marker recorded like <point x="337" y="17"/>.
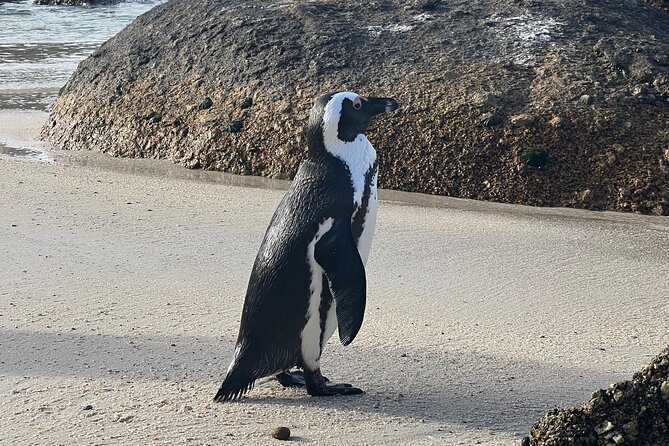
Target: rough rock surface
<point x="480" y="83"/>
<point x="664" y="4"/>
<point x="633" y="413"/>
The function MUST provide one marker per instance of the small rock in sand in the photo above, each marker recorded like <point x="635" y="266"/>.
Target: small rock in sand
<point x="281" y="433"/>
<point x="124" y="418"/>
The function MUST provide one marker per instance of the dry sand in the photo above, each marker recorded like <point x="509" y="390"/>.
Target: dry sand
<point x="122" y="281"/>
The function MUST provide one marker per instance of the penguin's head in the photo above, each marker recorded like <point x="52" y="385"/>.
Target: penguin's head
<point x="340" y="118"/>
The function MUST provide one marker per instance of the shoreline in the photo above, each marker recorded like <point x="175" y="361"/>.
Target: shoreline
<point x="20" y="135"/>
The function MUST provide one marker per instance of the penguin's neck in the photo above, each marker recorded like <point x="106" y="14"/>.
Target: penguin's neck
<point x="358" y="155"/>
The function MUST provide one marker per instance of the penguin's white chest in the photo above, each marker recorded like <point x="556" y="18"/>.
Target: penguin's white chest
<point x="359" y="156"/>
<point x="364" y="246"/>
<point x="311" y="333"/>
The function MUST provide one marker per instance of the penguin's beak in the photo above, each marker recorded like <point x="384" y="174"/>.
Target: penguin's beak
<point x="381" y="105"/>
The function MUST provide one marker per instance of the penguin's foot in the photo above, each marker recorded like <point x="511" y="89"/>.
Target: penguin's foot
<point x="317" y="385"/>
<point x="294" y="378"/>
<point x="291" y="379"/>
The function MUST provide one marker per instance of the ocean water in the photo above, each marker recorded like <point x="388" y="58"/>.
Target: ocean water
<point x="41" y="46"/>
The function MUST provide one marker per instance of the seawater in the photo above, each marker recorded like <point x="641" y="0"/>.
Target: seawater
<point x="41" y="46"/>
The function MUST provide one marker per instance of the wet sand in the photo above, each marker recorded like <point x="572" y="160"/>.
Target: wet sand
<point x="122" y="283"/>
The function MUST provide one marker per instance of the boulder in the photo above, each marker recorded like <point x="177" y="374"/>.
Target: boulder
<point x="590" y="80"/>
<point x="633" y="413"/>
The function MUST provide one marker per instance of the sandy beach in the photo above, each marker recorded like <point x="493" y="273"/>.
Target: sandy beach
<point x="122" y="281"/>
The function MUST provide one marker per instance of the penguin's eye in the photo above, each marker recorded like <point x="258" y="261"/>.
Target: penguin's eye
<point x="357" y="103"/>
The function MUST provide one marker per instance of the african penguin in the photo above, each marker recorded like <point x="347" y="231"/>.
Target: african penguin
<point x="308" y="278"/>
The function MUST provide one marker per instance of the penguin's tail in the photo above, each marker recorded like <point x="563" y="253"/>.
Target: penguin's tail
<point x="235" y="384"/>
<point x="238" y="380"/>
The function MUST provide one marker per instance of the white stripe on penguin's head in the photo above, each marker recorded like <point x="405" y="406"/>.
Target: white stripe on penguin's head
<point x="332" y="117"/>
<point x="346" y="116"/>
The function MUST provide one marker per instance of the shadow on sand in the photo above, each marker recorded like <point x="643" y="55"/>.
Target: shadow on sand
<point x="478" y="390"/>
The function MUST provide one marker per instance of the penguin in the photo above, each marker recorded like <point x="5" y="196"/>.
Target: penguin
<point x="308" y="278"/>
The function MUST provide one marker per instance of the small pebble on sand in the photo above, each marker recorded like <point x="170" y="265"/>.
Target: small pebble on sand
<point x="281" y="433"/>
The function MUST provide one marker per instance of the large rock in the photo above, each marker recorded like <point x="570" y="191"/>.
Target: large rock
<point x="633" y="413"/>
<point x="558" y="102"/>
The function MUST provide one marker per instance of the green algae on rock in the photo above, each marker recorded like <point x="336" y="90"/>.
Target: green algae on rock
<point x="448" y="63"/>
<point x="534" y="157"/>
<point x="245" y="102"/>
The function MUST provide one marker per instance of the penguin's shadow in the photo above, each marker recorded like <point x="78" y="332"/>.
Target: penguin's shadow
<point x="484" y="392"/>
<point x="417" y="383"/>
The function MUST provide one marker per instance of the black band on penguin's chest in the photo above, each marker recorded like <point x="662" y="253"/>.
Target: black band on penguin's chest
<point x="358" y="223"/>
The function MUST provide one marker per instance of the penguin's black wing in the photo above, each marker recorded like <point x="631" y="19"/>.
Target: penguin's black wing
<point x="338" y="255"/>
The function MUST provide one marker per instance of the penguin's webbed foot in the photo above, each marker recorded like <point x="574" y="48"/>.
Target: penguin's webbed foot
<point x="318" y="385"/>
<point x="293" y="378"/>
<point x="334" y="389"/>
